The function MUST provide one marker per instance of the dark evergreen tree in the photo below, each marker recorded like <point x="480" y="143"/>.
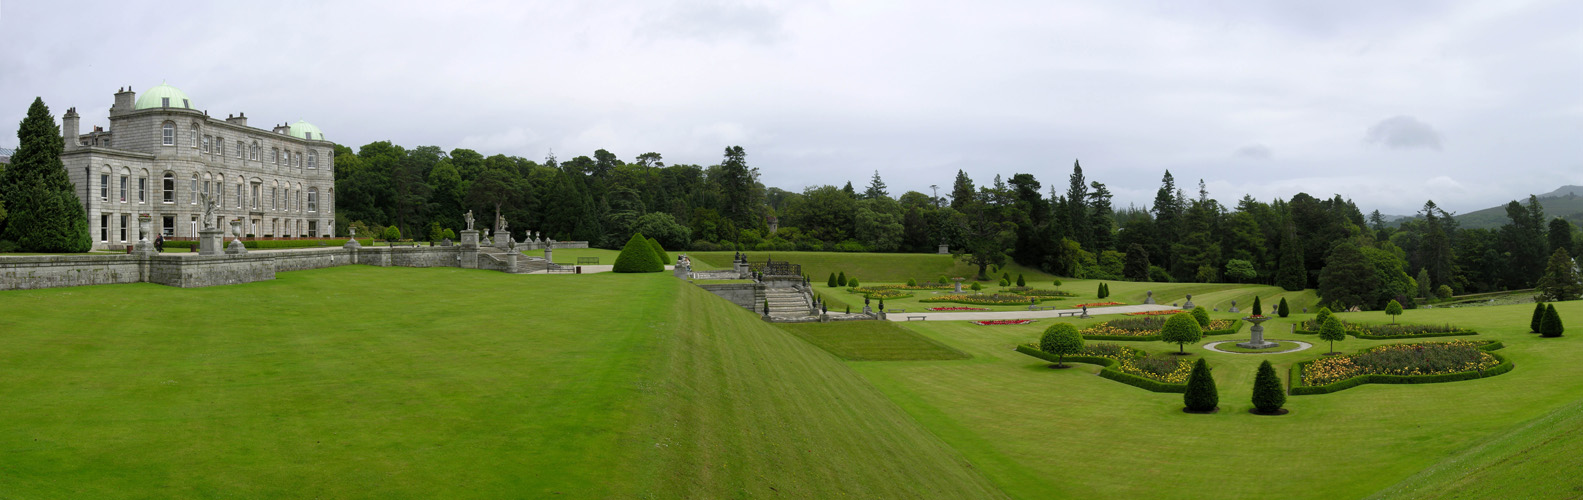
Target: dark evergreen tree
<point x="1100" y="291"/>
<point x="840" y="279"/>
<point x="43" y="211"/>
<point x="1136" y="267"/>
<point x="1560" y="281"/>
<point x="876" y="188"/>
<point x="1559" y="234"/>
<point x="1258" y="307"/>
<point x="963" y="194"/>
<point x="1077" y="208"/>
<point x="833" y="283"/>
<point x="1021" y="282"/>
<point x="1551" y="326"/>
<point x="1283" y="310"/>
<point x="1101" y="218"/>
<point x="1348" y="277"/>
<point x="1291" y="275"/>
<point x="1539" y="316"/>
<point x="1268" y="395"/>
<point x="1201" y="395"/>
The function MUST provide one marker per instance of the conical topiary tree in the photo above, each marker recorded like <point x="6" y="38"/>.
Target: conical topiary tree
<point x="1021" y="282"/>
<point x="1539" y="316"/>
<point x="1181" y="329"/>
<point x="637" y="257"/>
<point x="1201" y="396"/>
<point x="1283" y="310"/>
<point x="840" y="279"/>
<point x="1258" y="307"/>
<point x="1551" y="326"/>
<point x="43" y="211"/>
<point x="1100" y="293"/>
<point x="1332" y="330"/>
<point x="1202" y="316"/>
<point x="1006" y="277"/>
<point x="832" y="282"/>
<point x="1062" y="340"/>
<point x="1268" y="395"/>
<point x="659" y="253"/>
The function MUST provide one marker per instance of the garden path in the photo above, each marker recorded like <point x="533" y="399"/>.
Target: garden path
<point x="992" y="315"/>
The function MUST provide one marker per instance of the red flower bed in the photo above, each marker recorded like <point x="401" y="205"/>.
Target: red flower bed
<point x="1156" y="313"/>
<point x="1100" y="304"/>
<point x="1004" y="322"/>
<point x="958" y="309"/>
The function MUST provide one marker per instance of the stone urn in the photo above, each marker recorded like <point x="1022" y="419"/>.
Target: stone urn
<point x="145" y="225"/>
<point x="958" y="284"/>
<point x="1257" y="342"/>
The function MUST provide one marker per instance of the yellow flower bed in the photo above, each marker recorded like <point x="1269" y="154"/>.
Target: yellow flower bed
<point x="1177" y="376"/>
<point x="1433" y="358"/>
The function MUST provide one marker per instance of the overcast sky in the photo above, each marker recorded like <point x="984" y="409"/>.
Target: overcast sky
<point x="1470" y="103"/>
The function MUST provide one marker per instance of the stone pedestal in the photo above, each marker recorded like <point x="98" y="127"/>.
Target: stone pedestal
<point x="352" y="244"/>
<point x="469" y="238"/>
<point x="944" y="249"/>
<point x="1189" y="304"/>
<point x="549" y="254"/>
<point x="682" y="270"/>
<point x="1150" y="298"/>
<point x="236" y="247"/>
<point x="1233" y="307"/>
<point x="958" y="284"/>
<point x="1258" y="341"/>
<point x="503" y="240"/>
<point x="210" y="241"/>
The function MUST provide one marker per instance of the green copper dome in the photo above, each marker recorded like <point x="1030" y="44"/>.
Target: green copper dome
<point x="305" y="130"/>
<point x="157" y="98"/>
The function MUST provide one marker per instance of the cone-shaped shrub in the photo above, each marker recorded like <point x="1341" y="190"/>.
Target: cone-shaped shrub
<point x="840" y="279"/>
<point x="1319" y="319"/>
<point x="1061" y="339"/>
<point x="1202" y="315"/>
<point x="832" y="282"/>
<point x="1020" y="281"/>
<point x="637" y="257"/>
<point x="1107" y="290"/>
<point x="1100" y="293"/>
<point x="1539" y="316"/>
<point x="1551" y="325"/>
<point x="1181" y="329"/>
<point x="1268" y="396"/>
<point x="1006" y="277"/>
<point x="659" y="253"/>
<point x="1283" y="310"/>
<point x="1258" y="307"/>
<point x="1201" y="396"/>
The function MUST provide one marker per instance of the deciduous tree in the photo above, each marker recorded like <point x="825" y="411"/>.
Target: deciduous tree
<point x="1062" y="340"/>
<point x="1181" y="329"/>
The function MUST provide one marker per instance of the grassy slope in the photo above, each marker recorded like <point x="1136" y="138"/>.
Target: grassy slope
<point x="1537" y="458"/>
<point x="743" y="409"/>
<point x="871" y="341"/>
<point x="1027" y="426"/>
<point x="439" y="383"/>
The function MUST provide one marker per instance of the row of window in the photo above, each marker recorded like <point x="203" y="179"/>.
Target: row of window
<point x="215" y="189"/>
<point x="243" y="151"/>
<point x="168" y="227"/>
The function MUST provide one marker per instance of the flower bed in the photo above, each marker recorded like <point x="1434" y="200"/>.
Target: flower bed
<point x="995" y="299"/>
<point x="925" y="286"/>
<point x="1148" y="328"/>
<point x="959" y="309"/>
<point x="1035" y="292"/>
<point x="1122" y="364"/>
<point x="1156" y="313"/>
<point x="1401" y="364"/>
<point x="1003" y="322"/>
<point x="1389" y="331"/>
<point x="880" y="293"/>
<point x="1100" y="304"/>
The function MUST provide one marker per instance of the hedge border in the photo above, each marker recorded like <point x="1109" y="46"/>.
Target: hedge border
<point x="1296" y="373"/>
<point x="1414" y="336"/>
<point x="1236" y="326"/>
<point x="1108" y="371"/>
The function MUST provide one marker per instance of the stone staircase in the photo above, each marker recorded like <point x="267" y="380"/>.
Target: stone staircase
<point x="787" y="303"/>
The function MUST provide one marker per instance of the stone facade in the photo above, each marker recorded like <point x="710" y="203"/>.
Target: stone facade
<point x="279" y="184"/>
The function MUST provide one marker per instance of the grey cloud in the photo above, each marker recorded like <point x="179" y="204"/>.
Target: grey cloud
<point x="1403" y="132"/>
<point x="713" y="21"/>
<point x="1254" y="152"/>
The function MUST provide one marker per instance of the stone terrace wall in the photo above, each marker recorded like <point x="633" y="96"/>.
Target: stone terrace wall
<point x="210" y="270"/>
<point x="54" y="271"/>
<point x="192" y="270"/>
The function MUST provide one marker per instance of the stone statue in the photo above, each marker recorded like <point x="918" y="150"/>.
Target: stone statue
<point x="208" y="210"/>
<point x="469" y="219"/>
<point x="500" y="224"/>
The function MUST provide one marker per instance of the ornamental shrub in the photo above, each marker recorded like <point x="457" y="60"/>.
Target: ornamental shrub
<point x="1283" y="310"/>
<point x="1107" y="290"/>
<point x="1201" y="395"/>
<point x="1332" y="331"/>
<point x="1258" y="307"/>
<point x="976" y="287"/>
<point x="1444" y="291"/>
<point x="1324" y="314"/>
<point x="1394" y="309"/>
<point x="943" y="280"/>
<point x="659" y="253"/>
<point x="840" y="279"/>
<point x="832" y="282"/>
<point x="912" y="282"/>
<point x="391" y="233"/>
<point x="1202" y="315"/>
<point x="1003" y="282"/>
<point x="1268" y="396"/>
<point x="1551" y="326"/>
<point x="853" y="282"/>
<point x="1006" y="277"/>
<point x="1539" y="316"/>
<point x="1181" y="329"/>
<point x="1057" y="284"/>
<point x="1061" y="339"/>
<point x="1020" y="281"/>
<point x="637" y="257"/>
<point x="1100" y="293"/>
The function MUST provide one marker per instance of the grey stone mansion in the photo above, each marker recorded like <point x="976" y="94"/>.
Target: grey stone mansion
<point x="162" y="156"/>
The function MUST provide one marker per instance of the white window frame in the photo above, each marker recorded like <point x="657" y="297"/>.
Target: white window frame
<point x="167" y="185"/>
<point x="313" y="160"/>
<point x="104" y="186"/>
<point x="313" y="200"/>
<point x="167" y="134"/>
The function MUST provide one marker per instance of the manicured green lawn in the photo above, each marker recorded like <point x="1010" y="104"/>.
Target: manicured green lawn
<point x="363" y="382"/>
<point x="1041" y="433"/>
<point x="570" y="255"/>
<point x="871" y="341"/>
<point x="876" y="267"/>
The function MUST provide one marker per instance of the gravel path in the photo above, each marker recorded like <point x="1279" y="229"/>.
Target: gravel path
<point x="993" y="315"/>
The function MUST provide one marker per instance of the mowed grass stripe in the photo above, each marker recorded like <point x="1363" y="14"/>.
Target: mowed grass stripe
<point x="871" y="341"/>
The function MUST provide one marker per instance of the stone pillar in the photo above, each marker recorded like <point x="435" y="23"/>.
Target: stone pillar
<point x="944" y="249"/>
<point x="470" y="238"/>
<point x="683" y="269"/>
<point x="503" y="240"/>
<point x="468" y="256"/>
<point x="210" y="241"/>
<point x="549" y="253"/>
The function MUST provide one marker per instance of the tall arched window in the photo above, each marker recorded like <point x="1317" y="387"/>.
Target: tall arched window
<point x="313" y="199"/>
<point x="167" y="188"/>
<point x="313" y="159"/>
<point x="126" y="175"/>
<point x="104" y="184"/>
<point x="167" y="134"/>
<point x="193" y="132"/>
<point x="142" y="187"/>
<point x="193" y="196"/>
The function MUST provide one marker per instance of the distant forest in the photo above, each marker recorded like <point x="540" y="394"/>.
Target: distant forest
<point x="1301" y="242"/>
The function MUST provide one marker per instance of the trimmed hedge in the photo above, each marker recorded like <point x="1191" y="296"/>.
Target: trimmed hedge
<point x="637" y="257"/>
<point x="1414" y="336"/>
<point x="1236" y="325"/>
<point x="1296" y="374"/>
<point x="1108" y="371"/>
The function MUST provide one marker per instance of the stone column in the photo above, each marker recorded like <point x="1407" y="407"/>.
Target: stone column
<point x="503" y="240"/>
<point x="468" y="256"/>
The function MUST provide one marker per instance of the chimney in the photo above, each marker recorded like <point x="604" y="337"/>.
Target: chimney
<point x="239" y="119"/>
<point x="69" y="128"/>
<point x="283" y="129"/>
<point x="124" y="99"/>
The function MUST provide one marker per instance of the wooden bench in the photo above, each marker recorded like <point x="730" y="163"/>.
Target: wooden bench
<point x="1042" y="308"/>
<point x="1068" y="313"/>
<point x="583" y="261"/>
<point x="560" y="269"/>
<point x="919" y="318"/>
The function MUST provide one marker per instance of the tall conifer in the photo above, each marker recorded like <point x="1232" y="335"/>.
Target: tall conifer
<point x="45" y="214"/>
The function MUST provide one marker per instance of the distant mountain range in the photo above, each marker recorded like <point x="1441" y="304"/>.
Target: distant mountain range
<point x="1565" y="202"/>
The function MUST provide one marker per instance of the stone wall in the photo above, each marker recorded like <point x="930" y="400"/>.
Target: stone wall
<point x="54" y="271"/>
<point x="193" y="270"/>
<point x="747" y="295"/>
<point x="210" y="270"/>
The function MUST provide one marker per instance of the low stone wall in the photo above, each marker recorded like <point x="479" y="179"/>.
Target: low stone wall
<point x="52" y="271"/>
<point x="192" y="270"/>
<point x="746" y="295"/>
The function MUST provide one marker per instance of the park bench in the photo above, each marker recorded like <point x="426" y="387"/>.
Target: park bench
<point x="402" y="243"/>
<point x="583" y="261"/>
<point x="1068" y="313"/>
<point x="560" y="269"/>
<point x="919" y="318"/>
<point x="1040" y="308"/>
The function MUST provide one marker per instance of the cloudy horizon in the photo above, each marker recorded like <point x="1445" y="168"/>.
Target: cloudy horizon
<point x="1389" y="104"/>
